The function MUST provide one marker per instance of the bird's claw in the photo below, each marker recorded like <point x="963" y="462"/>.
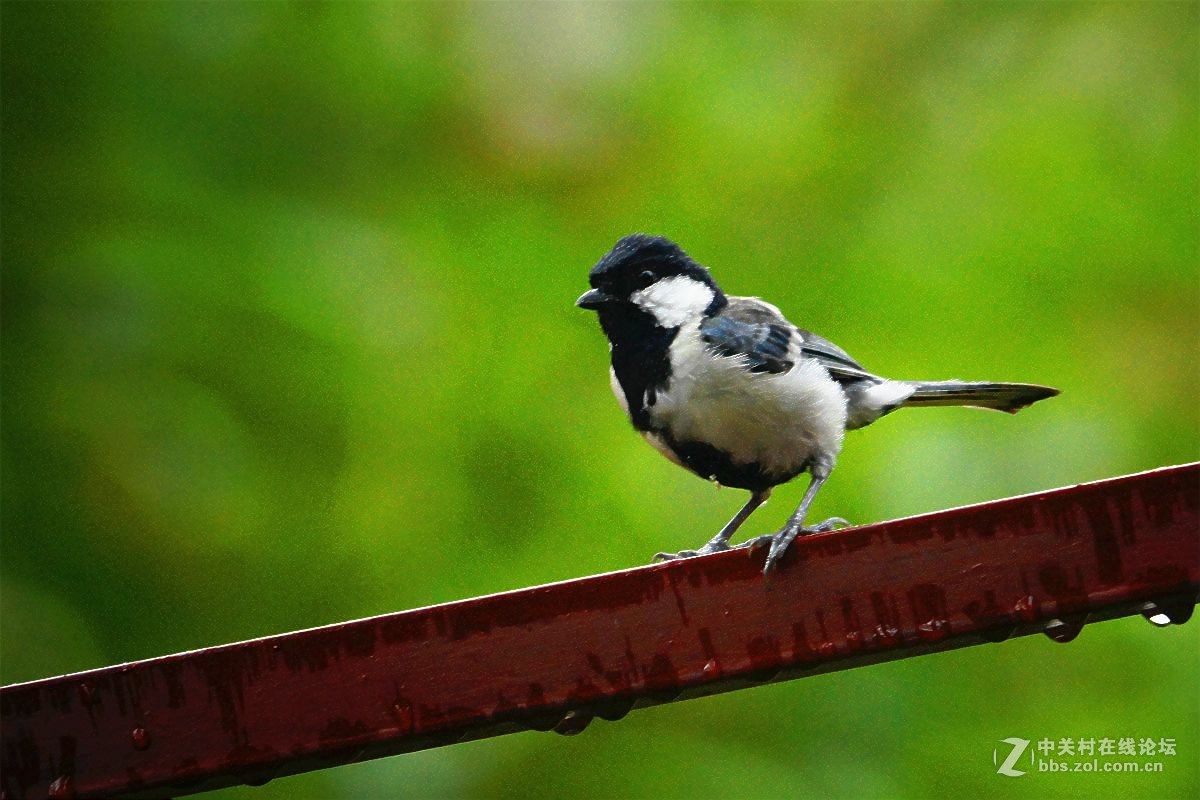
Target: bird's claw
<point x="757" y="542"/>
<point x="703" y="551"/>
<point x="780" y="540"/>
<point x="821" y="527"/>
<point x="675" y="556"/>
<point x="825" y="525"/>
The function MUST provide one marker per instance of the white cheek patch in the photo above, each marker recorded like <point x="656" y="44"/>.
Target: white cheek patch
<point x="674" y="301"/>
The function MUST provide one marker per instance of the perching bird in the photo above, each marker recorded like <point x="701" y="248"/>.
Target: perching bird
<point x="728" y="388"/>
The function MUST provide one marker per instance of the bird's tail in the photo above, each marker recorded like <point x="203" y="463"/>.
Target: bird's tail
<point x="1007" y="397"/>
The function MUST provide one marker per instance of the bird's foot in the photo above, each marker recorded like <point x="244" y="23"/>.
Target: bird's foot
<point x="769" y="538"/>
<point x="826" y="525"/>
<point x="711" y="547"/>
<point x="757" y="542"/>
<point x="780" y="540"/>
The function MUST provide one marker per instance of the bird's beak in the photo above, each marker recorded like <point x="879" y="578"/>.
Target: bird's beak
<point x="594" y="299"/>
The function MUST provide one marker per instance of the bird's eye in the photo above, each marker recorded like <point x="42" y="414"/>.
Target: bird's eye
<point x="647" y="277"/>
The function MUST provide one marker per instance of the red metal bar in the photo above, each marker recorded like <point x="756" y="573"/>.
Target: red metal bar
<point x="553" y="657"/>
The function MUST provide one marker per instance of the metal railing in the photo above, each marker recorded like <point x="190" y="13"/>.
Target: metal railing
<point x="554" y="657"/>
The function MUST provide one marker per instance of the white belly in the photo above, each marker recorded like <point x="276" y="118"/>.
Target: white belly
<point x="778" y="421"/>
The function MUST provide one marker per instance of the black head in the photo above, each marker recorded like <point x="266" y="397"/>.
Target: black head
<point x="651" y="275"/>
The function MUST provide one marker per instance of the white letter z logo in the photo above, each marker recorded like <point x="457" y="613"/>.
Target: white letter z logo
<point x="1018" y="749"/>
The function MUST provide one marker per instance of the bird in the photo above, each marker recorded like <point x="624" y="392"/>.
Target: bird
<point x="728" y="388"/>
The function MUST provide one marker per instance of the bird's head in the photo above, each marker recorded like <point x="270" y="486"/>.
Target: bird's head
<point x="651" y="275"/>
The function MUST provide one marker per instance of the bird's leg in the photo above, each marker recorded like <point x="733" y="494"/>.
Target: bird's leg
<point x="795" y="525"/>
<point x="721" y="540"/>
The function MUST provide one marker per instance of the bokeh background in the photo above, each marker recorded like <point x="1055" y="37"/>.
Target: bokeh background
<point x="288" y="338"/>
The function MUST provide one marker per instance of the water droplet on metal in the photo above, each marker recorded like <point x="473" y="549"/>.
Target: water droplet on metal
<point x="710" y="666"/>
<point x="573" y="723"/>
<point x="1168" y="612"/>
<point x="140" y="738"/>
<point x="1179" y="614"/>
<point x="1026" y="608"/>
<point x="63" y="788"/>
<point x="1064" y="630"/>
<point x="86" y="694"/>
<point x="887" y="636"/>
<point x="827" y="649"/>
<point x="934" y="630"/>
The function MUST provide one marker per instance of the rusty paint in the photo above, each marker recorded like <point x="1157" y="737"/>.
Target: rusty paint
<point x="554" y="657"/>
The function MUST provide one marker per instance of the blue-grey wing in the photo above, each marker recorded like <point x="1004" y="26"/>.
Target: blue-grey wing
<point x="765" y="346"/>
<point x="758" y="331"/>
<point x="842" y="368"/>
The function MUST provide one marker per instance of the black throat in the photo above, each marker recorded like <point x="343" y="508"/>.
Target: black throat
<point x="640" y="357"/>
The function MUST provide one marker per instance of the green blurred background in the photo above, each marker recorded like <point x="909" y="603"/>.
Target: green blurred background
<point x="288" y="338"/>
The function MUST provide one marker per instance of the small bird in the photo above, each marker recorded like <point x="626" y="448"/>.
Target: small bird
<point x="726" y="387"/>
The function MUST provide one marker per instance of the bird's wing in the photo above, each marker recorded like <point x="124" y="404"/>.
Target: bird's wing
<point x="842" y="368"/>
<point x="753" y="330"/>
<point x="758" y="330"/>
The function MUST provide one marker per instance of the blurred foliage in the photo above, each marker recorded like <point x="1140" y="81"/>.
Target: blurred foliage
<point x="288" y="337"/>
